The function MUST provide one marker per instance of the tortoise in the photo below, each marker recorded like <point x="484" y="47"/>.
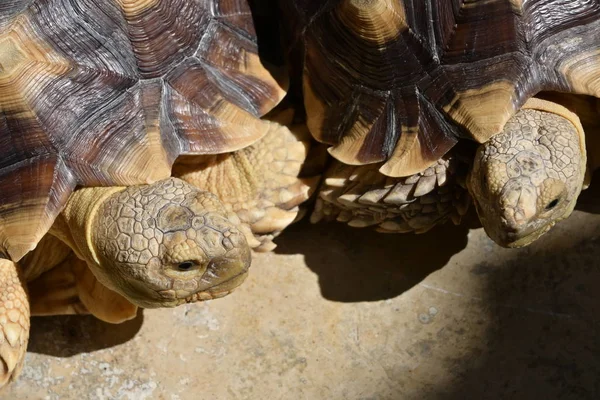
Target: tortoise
<point x="99" y="99"/>
<point x="427" y="106"/>
<point x="107" y="95"/>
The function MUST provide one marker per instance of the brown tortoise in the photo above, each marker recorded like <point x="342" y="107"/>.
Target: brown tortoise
<point x="105" y="95"/>
<point x="394" y="86"/>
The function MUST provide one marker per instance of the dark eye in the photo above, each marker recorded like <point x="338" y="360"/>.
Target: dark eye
<point x="552" y="204"/>
<point x="186" y="266"/>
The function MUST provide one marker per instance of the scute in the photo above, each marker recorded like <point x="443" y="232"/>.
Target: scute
<point x="399" y="82"/>
<point x="33" y="194"/>
<point x="110" y="92"/>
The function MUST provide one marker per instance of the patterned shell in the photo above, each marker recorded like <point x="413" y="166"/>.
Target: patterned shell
<point x="400" y="81"/>
<point x="110" y="92"/>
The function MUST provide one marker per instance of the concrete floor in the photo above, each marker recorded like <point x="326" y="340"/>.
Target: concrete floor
<point x="340" y="313"/>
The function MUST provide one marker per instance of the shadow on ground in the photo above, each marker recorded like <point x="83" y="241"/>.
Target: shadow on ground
<point x="535" y="311"/>
<point x="362" y="265"/>
<point x="67" y="335"/>
<point x="589" y="199"/>
<point x="544" y="337"/>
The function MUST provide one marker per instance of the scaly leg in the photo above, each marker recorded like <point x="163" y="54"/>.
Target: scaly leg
<point x="362" y="196"/>
<point x="71" y="288"/>
<point x="262" y="183"/>
<point x="55" y="292"/>
<point x="14" y="322"/>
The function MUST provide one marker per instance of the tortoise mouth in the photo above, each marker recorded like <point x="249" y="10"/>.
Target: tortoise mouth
<point x="510" y="237"/>
<point x="515" y="240"/>
<point x="220" y="290"/>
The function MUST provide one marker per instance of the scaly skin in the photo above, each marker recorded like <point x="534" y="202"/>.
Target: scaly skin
<point x="157" y="245"/>
<point x="528" y="177"/>
<point x="361" y="196"/>
<point x="14" y="322"/>
<point x="261" y="183"/>
<point x="164" y="244"/>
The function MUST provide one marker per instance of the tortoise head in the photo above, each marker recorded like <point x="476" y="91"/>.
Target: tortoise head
<point x="168" y="243"/>
<point x="529" y="176"/>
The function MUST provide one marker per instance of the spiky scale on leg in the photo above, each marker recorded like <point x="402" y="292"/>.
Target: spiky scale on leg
<point x="361" y="196"/>
<point x="14" y="322"/>
<point x="262" y="183"/>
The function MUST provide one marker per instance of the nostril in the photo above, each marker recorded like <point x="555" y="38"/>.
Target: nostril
<point x="520" y="217"/>
<point x="514" y="220"/>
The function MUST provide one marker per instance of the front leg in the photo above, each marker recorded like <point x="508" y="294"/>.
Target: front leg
<point x="263" y="184"/>
<point x="71" y="288"/>
<point x="14" y="322"/>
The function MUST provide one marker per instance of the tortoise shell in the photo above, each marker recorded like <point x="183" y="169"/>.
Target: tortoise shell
<point x="401" y="81"/>
<point x="110" y="92"/>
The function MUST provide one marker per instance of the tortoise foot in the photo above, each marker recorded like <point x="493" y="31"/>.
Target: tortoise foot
<point x="14" y="322"/>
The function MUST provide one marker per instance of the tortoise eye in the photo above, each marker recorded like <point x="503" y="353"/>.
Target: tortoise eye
<point x="552" y="204"/>
<point x="186" y="265"/>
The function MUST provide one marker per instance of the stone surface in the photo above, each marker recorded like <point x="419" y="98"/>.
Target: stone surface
<point x="341" y="313"/>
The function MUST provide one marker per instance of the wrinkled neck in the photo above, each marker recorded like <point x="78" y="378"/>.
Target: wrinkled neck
<point x="75" y="224"/>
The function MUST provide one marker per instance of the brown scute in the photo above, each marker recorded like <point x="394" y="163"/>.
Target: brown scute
<point x="159" y="32"/>
<point x="475" y="62"/>
<point x="354" y="147"/>
<point x="10" y="9"/>
<point x="485" y="110"/>
<point x="477" y="30"/>
<point x="233" y="64"/>
<point x="236" y="14"/>
<point x="581" y="72"/>
<point x="376" y="21"/>
<point x="162" y="141"/>
<point x="122" y="153"/>
<point x="34" y="191"/>
<point x="204" y="121"/>
<point x="560" y="16"/>
<point x="111" y="92"/>
<point x="421" y="146"/>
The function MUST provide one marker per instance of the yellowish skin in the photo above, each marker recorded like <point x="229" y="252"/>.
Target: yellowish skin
<point x="14" y="321"/>
<point x="262" y="184"/>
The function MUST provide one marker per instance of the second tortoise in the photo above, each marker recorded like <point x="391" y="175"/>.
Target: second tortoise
<point x="397" y="89"/>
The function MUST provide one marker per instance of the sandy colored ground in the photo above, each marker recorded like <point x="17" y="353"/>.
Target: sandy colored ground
<point x="339" y="313"/>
